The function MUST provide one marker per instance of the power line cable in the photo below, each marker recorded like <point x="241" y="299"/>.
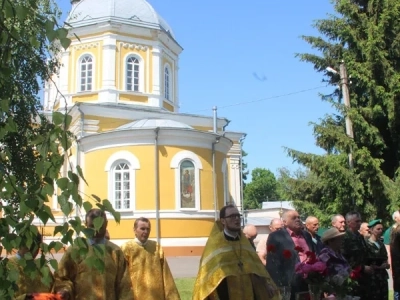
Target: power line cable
<point x="264" y="99"/>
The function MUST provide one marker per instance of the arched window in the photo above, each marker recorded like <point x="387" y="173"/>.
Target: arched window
<point x="167" y="91"/>
<point x="187" y="167"/>
<point x="132" y="74"/>
<point x="122" y="186"/>
<point x="86" y="73"/>
<point x="121" y="167"/>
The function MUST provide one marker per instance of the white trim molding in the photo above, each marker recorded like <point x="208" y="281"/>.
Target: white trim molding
<point x="167" y="137"/>
<point x="133" y="163"/>
<point x="224" y="170"/>
<point x="176" y="162"/>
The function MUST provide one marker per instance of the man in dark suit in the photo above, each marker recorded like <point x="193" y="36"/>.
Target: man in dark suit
<point x="282" y="256"/>
<point x="312" y="225"/>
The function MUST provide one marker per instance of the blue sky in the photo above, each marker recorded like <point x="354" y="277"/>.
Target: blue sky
<point x="238" y="52"/>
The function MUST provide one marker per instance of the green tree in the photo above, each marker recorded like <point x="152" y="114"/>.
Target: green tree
<point x="245" y="171"/>
<point x="366" y="36"/>
<point x="32" y="148"/>
<point x="263" y="187"/>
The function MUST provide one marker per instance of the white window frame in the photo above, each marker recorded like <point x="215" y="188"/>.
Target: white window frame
<point x="176" y="162"/>
<point x="167" y="83"/>
<point x="80" y="73"/>
<point x="113" y="161"/>
<point x="141" y="72"/>
<point x="167" y="66"/>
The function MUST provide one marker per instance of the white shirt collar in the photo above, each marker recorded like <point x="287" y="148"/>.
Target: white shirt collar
<point x="139" y="242"/>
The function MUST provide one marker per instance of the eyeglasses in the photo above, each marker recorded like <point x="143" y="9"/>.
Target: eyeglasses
<point x="234" y="216"/>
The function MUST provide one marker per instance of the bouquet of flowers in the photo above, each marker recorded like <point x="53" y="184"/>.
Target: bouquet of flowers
<point x="343" y="282"/>
<point x="312" y="269"/>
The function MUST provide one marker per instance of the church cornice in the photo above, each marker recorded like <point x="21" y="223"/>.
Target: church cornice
<point x="133" y="46"/>
<point x="147" y="36"/>
<point x="86" y="46"/>
<point x="132" y="112"/>
<point x="145" y="136"/>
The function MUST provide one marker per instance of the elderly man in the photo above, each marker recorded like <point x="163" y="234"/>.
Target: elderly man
<point x="355" y="251"/>
<point x="229" y="267"/>
<point x="76" y="278"/>
<point x="250" y="232"/>
<point x="312" y="225"/>
<point x="338" y="222"/>
<point x="148" y="267"/>
<point x="282" y="255"/>
<point x="364" y="230"/>
<point x="276" y="224"/>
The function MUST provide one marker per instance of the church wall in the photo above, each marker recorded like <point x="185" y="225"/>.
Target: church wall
<point x="168" y="106"/>
<point x="86" y="97"/>
<point x="97" y="177"/>
<point x="169" y="228"/>
<point x="133" y="98"/>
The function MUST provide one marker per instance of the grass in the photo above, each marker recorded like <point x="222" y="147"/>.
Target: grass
<point x="185" y="287"/>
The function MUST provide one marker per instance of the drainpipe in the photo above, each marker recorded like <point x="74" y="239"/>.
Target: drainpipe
<point x="214" y="177"/>
<point x="156" y="185"/>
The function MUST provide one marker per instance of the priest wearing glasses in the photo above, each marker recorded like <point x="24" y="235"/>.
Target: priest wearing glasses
<point x="229" y="267"/>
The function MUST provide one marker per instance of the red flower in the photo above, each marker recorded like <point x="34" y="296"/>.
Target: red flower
<point x="355" y="273"/>
<point x="312" y="258"/>
<point x="298" y="249"/>
<point x="287" y="254"/>
<point x="271" y="248"/>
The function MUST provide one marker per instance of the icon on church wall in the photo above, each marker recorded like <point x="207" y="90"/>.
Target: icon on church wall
<point x="187" y="185"/>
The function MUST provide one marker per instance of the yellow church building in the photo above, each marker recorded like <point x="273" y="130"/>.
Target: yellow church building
<point x="119" y="82"/>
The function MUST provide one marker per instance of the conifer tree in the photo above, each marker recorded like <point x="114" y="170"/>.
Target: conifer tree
<point x="365" y="35"/>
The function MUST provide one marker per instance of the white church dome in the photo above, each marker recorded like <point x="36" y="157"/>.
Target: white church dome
<point x="132" y="12"/>
<point x="153" y="123"/>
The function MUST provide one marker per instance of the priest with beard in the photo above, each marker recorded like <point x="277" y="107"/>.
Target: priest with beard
<point x="229" y="267"/>
<point x="77" y="279"/>
<point x="148" y="268"/>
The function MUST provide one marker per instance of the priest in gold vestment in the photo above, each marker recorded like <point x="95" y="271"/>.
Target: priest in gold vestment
<point x="30" y="283"/>
<point x="229" y="267"/>
<point x="148" y="268"/>
<point x="76" y="279"/>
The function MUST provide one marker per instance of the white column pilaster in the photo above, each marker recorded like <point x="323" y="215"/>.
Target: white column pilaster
<point x="234" y="180"/>
<point x="108" y="90"/>
<point x="64" y="78"/>
<point x="155" y="99"/>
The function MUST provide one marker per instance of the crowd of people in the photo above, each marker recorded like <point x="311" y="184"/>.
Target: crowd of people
<point x="349" y="242"/>
<point x="231" y="267"/>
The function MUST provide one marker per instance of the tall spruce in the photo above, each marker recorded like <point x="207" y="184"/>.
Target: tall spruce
<point x="365" y="35"/>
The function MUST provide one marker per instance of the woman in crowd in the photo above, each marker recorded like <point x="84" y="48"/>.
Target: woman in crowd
<point x="378" y="258"/>
<point x="337" y="266"/>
